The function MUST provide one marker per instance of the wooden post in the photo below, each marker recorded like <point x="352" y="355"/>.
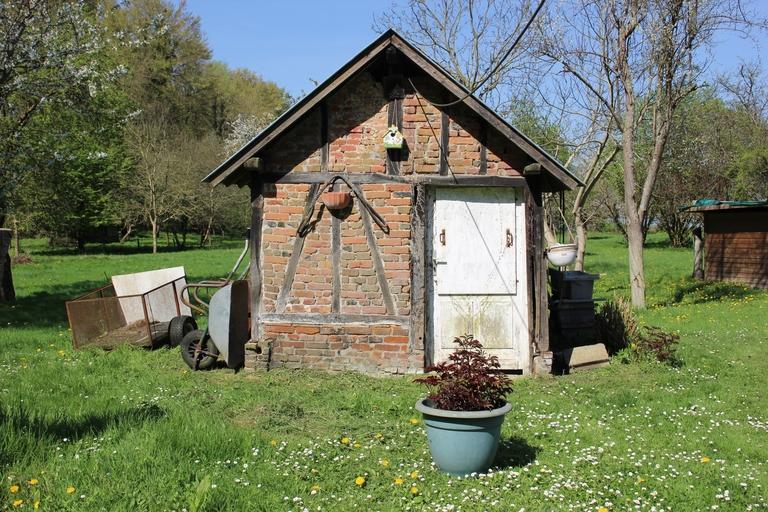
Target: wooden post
<point x="698" y="254"/>
<point x="483" y="148"/>
<point x="393" y="88"/>
<point x="541" y="306"/>
<point x="257" y="215"/>
<point x="445" y="134"/>
<point x="336" y="263"/>
<point x="418" y="274"/>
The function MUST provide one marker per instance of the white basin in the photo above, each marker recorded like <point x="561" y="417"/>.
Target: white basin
<point x="561" y="255"/>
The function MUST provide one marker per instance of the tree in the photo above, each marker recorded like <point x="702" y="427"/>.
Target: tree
<point x="703" y="159"/>
<point x="472" y="39"/>
<point x="79" y="167"/>
<point x="241" y="93"/>
<point x="748" y="93"/>
<point x="164" y="56"/>
<point x="153" y="194"/>
<point x="637" y="59"/>
<point x="48" y="50"/>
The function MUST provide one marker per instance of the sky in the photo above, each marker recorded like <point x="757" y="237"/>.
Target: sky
<point x="292" y="42"/>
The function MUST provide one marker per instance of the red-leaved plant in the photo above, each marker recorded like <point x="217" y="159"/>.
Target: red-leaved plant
<point x="469" y="381"/>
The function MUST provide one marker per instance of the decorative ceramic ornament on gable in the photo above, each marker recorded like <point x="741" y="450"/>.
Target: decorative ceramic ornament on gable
<point x="393" y="139"/>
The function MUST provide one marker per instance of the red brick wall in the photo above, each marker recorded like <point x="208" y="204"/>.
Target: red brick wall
<point x="357" y="121"/>
<point x="366" y="348"/>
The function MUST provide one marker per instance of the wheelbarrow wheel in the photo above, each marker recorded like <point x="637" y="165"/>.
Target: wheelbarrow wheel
<point x="179" y="327"/>
<point x="198" y="350"/>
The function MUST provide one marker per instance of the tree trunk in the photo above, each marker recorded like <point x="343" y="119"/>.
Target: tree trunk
<point x="16" y="238"/>
<point x="7" y="293"/>
<point x="634" y="226"/>
<point x="128" y="231"/>
<point x="581" y="238"/>
<point x="153" y="223"/>
<point x="636" y="269"/>
<point x="549" y="233"/>
<point x="698" y="254"/>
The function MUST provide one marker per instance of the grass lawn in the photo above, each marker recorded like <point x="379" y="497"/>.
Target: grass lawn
<point x="135" y="430"/>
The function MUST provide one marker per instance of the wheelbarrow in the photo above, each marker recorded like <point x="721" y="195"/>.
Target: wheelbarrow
<point x="225" y="302"/>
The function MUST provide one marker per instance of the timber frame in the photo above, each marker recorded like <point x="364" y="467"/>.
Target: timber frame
<point x="228" y="172"/>
<point x="541" y="173"/>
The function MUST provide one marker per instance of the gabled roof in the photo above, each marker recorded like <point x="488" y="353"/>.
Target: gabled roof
<point x="226" y="172"/>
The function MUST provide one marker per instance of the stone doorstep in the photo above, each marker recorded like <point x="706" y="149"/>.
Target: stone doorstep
<point x="582" y="358"/>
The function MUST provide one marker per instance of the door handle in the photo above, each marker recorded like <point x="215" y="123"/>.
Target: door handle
<point x="510" y="238"/>
<point x="442" y="237"/>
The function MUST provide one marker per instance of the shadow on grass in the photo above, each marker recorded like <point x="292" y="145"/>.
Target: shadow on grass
<point x="515" y="452"/>
<point x="131" y="247"/>
<point x="43" y="309"/>
<point x="698" y="292"/>
<point x="27" y="434"/>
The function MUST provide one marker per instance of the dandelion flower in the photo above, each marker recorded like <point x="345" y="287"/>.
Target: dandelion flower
<point x="414" y="490"/>
<point x="705" y="459"/>
<point x="414" y="474"/>
<point x="70" y="490"/>
<point x="414" y="421"/>
<point x="14" y="489"/>
<point x="384" y="462"/>
<point x="602" y="509"/>
<point x="360" y="481"/>
<point x="33" y="481"/>
<point x="273" y="442"/>
<point x="17" y="503"/>
<point x="399" y="481"/>
<point x="314" y="489"/>
<point x="345" y="440"/>
<point x="356" y="445"/>
<point x="36" y="504"/>
<point x="379" y="436"/>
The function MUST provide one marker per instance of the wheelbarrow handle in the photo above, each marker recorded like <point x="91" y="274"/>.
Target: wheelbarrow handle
<point x="191" y="298"/>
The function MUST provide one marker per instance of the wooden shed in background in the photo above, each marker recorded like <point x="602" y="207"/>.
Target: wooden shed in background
<point x="735" y="241"/>
<point x="443" y="235"/>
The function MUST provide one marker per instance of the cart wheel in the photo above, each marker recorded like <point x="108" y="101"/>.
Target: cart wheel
<point x="179" y="327"/>
<point x="198" y="350"/>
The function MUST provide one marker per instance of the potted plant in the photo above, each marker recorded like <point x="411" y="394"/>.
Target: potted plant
<point x="465" y="408"/>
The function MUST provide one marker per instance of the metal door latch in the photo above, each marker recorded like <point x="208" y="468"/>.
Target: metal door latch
<point x="510" y="238"/>
<point x="442" y="237"/>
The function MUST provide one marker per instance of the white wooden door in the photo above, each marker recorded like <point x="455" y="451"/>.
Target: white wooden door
<point x="478" y="258"/>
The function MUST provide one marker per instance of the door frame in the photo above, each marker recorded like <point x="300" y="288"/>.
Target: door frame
<point x="430" y="193"/>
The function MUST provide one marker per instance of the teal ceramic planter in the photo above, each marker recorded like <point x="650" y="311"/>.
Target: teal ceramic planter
<point x="462" y="442"/>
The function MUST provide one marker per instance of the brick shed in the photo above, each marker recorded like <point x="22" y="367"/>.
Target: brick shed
<point x="443" y="236"/>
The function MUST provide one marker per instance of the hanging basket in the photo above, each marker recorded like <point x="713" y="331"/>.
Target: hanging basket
<point x="336" y="200"/>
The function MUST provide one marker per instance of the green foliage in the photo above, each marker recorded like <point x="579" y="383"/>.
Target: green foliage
<point x="715" y="150"/>
<point x="50" y="53"/>
<point x="616" y="324"/>
<point x="78" y="168"/>
<point x="126" y="147"/>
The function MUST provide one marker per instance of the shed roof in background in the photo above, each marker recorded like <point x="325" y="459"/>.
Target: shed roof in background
<point x="231" y="171"/>
<point x="714" y="205"/>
